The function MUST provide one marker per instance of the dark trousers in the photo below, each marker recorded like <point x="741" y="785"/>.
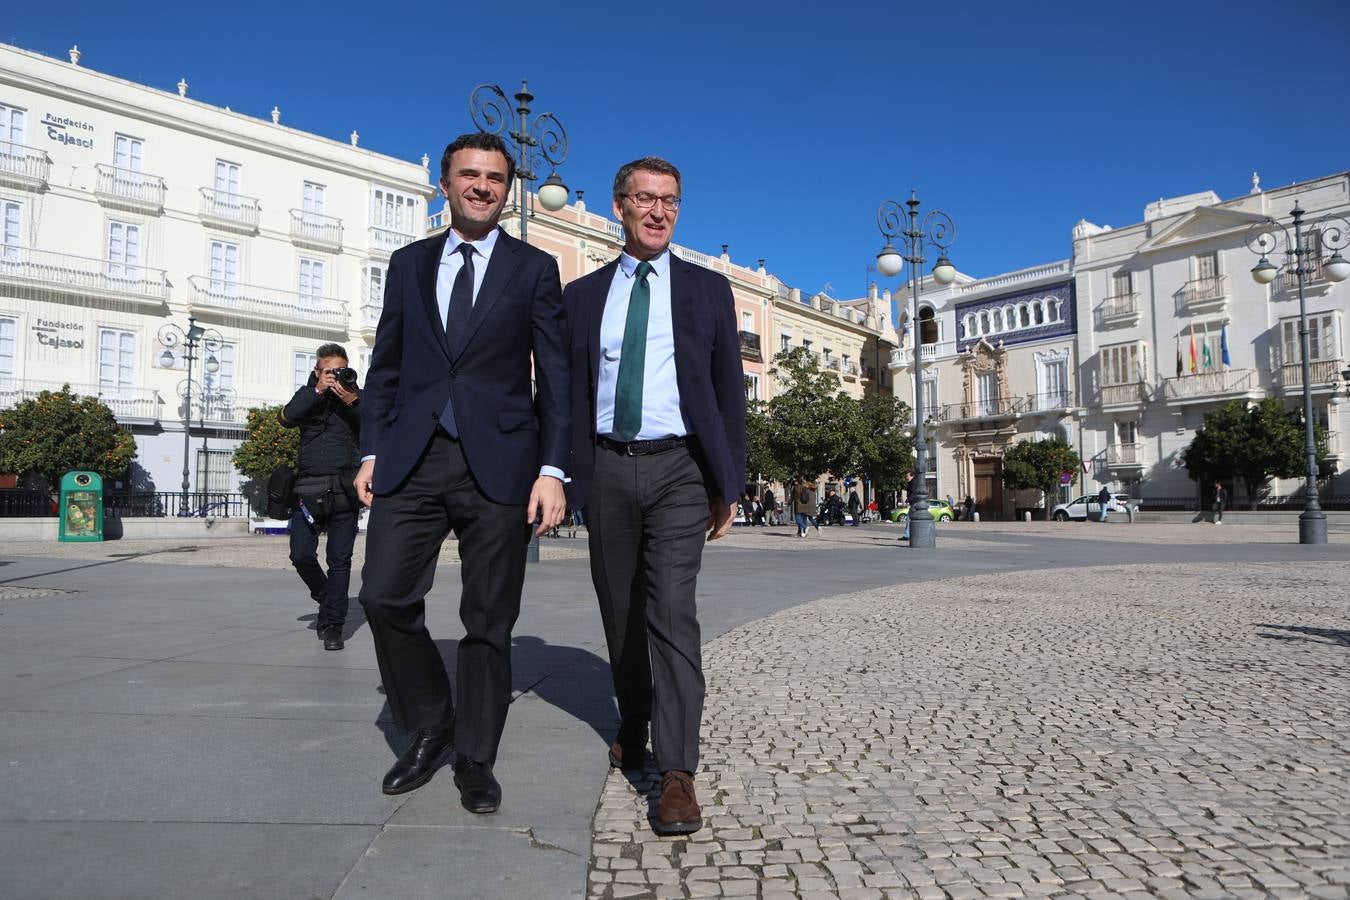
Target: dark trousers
<point x="403" y="539"/>
<point x="648" y="518"/>
<point x="328" y="590"/>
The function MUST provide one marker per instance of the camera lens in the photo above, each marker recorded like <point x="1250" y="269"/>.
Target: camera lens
<point x="346" y="375"/>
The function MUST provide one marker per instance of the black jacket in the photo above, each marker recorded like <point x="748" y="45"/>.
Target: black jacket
<point x="330" y="430"/>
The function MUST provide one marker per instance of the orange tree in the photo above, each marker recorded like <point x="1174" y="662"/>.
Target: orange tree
<point x="57" y="432"/>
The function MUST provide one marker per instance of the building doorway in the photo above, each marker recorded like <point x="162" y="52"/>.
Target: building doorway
<point x="989" y="488"/>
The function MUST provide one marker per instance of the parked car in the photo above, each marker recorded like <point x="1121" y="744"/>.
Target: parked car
<point x="936" y="508"/>
<point x="1078" y="509"/>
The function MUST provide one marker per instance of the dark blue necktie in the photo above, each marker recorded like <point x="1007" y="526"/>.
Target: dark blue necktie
<point x="456" y="322"/>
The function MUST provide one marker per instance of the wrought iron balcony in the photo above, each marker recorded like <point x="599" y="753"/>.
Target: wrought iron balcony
<point x="750" y="346"/>
<point x="129" y="189"/>
<point x="230" y="211"/>
<point x="266" y="304"/>
<point x="1048" y="401"/>
<point x="989" y="408"/>
<point x="1205" y="386"/>
<point x="384" y="241"/>
<point x="1325" y="374"/>
<point x="1125" y="456"/>
<point x="1203" y="295"/>
<point x="23" y="167"/>
<point x="1313" y="277"/>
<point x="62" y="274"/>
<point x="1120" y="309"/>
<point x="130" y="405"/>
<point x="850" y="368"/>
<point x="834" y="364"/>
<point x="309" y="229"/>
<point x="1132" y="393"/>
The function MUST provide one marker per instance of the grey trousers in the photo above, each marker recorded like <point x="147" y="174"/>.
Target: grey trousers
<point x="648" y="517"/>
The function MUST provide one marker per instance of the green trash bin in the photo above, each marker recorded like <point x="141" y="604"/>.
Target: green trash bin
<point x="81" y="506"/>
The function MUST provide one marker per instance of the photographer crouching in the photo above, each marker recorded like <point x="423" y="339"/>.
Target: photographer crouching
<point x="325" y="411"/>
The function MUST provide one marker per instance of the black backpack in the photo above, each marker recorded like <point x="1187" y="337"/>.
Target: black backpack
<point x="280" y="491"/>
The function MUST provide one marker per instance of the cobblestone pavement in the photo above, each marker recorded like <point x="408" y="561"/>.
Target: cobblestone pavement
<point x="1159" y="731"/>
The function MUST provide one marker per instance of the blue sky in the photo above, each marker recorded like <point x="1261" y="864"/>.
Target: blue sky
<point x="792" y="121"/>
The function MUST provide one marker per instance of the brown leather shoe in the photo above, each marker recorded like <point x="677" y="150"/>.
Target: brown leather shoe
<point x="629" y="750"/>
<point x="677" y="812"/>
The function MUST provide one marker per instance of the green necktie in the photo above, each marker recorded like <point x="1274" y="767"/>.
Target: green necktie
<point x="633" y="358"/>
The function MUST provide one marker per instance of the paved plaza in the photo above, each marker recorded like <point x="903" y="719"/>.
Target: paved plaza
<point x="1029" y="710"/>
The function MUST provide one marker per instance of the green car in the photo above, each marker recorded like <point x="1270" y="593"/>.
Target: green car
<point x="936" y="508"/>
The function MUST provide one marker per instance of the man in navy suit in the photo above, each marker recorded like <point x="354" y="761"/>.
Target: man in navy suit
<point x="658" y="460"/>
<point x="453" y="440"/>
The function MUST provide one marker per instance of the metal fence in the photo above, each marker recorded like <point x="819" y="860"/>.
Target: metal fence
<point x="202" y="504"/>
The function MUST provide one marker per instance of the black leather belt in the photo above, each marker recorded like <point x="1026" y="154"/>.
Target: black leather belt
<point x="642" y="448"/>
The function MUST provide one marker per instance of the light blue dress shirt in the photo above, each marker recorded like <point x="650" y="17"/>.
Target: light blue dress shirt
<point x="660" y="394"/>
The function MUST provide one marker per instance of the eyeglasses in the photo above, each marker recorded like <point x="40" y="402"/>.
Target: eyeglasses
<point x="644" y="200"/>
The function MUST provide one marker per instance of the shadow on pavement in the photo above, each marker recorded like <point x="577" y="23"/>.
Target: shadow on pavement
<point x="1329" y="635"/>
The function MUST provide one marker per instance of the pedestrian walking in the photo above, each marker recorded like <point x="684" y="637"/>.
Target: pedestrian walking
<point x="804" y="504"/>
<point x="855" y="506"/>
<point x="658" y="449"/>
<point x="1220" y="498"/>
<point x="1104" y="500"/>
<point x="970" y="508"/>
<point x="770" y="507"/>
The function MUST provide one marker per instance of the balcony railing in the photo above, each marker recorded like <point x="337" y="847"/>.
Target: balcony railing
<point x="1206" y="385"/>
<point x="850" y="368"/>
<point x="750" y="345"/>
<point x="1122" y="394"/>
<point x="50" y="271"/>
<point x="316" y="230"/>
<point x="129" y="188"/>
<point x="228" y="210"/>
<point x="24" y="167"/>
<point x="265" y="303"/>
<point x="384" y="240"/>
<point x="1125" y="455"/>
<point x="1313" y="276"/>
<point x="1051" y="400"/>
<point x="1119" y="309"/>
<point x="833" y="364"/>
<point x="1202" y="293"/>
<point x="370" y="317"/>
<point x="1322" y="372"/>
<point x="127" y="403"/>
<point x="989" y="408"/>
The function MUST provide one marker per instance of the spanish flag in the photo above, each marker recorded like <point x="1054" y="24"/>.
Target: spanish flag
<point x="1192" y="351"/>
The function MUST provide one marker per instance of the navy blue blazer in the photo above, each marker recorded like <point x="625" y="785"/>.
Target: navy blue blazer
<point x="707" y="370"/>
<point x="506" y="432"/>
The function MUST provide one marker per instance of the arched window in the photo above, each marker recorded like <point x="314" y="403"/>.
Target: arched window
<point x="1023" y="315"/>
<point x="1038" y="312"/>
<point x="969" y="322"/>
<point x="928" y="326"/>
<point x="984" y="323"/>
<point x="1010" y="318"/>
<point x="998" y="320"/>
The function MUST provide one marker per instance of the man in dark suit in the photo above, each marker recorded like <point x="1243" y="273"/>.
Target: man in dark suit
<point x="658" y="459"/>
<point x="451" y="439"/>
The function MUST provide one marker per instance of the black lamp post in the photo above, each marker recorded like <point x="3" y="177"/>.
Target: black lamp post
<point x="1264" y="238"/>
<point x="542" y="140"/>
<point x="913" y="234"/>
<point x="172" y="338"/>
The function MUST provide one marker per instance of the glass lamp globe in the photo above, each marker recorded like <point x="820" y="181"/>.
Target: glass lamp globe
<point x="553" y="193"/>
<point x="1264" y="272"/>
<point x="944" y="272"/>
<point x="167" y="359"/>
<point x="1337" y="268"/>
<point x="212" y="365"/>
<point x="889" y="262"/>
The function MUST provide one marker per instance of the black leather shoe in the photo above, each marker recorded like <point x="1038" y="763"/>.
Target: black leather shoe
<point x="420" y="761"/>
<point x="629" y="750"/>
<point x="332" y="637"/>
<point x="479" y="792"/>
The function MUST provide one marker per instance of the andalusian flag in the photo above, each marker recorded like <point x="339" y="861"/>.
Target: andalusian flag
<point x="1192" y="351"/>
<point x="1204" y="345"/>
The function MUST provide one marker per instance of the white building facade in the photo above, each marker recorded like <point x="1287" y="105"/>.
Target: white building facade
<point x="124" y="210"/>
<point x="1178" y="327"/>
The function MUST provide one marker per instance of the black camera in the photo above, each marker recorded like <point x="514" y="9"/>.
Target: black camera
<point x="345" y="375"/>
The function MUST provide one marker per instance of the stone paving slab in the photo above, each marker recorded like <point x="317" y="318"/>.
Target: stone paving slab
<point x="1143" y="730"/>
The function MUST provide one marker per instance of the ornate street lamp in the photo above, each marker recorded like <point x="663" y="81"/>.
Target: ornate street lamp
<point x="176" y="342"/>
<point x="914" y="235"/>
<point x="1264" y="238"/>
<point x="538" y="141"/>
